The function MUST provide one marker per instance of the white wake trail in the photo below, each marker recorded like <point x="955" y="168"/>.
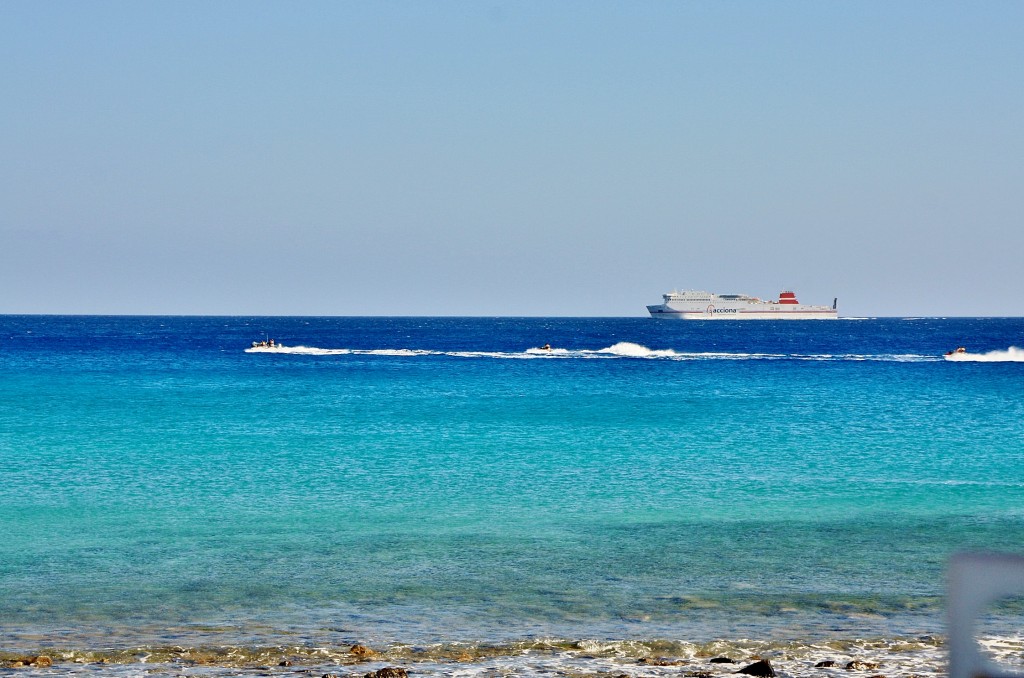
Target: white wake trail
<point x="631" y="350"/>
<point x="1010" y="355"/>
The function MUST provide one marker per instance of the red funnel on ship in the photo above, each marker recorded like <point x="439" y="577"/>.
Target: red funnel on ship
<point x="788" y="298"/>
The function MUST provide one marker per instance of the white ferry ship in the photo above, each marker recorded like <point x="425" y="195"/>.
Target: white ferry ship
<point x="697" y="305"/>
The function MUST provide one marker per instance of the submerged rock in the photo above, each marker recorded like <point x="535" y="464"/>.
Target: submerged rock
<point x="361" y="651"/>
<point x="827" y="664"/>
<point x="721" y="660"/>
<point x="762" y="669"/>
<point x="35" y="662"/>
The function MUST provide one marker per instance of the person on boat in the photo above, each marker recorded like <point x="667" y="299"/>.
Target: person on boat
<point x="546" y="347"/>
<point x="271" y="343"/>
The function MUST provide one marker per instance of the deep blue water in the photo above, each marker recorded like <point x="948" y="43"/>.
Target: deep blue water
<point x="410" y="479"/>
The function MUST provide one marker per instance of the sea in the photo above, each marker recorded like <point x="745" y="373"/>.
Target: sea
<point x="441" y="496"/>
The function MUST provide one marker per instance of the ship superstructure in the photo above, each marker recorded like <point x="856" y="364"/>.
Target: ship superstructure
<point x="700" y="305"/>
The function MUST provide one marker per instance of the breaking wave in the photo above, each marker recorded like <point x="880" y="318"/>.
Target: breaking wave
<point x="625" y="349"/>
<point x="1010" y="355"/>
<point x="620" y="350"/>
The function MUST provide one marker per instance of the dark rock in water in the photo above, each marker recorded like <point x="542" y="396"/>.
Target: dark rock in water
<point x="762" y="669"/>
<point x="827" y="664"/>
<point x="285" y="662"/>
<point x="721" y="660"/>
<point x="858" y="665"/>
<point x="659" y="661"/>
<point x="329" y="675"/>
<point x="388" y="672"/>
<point x="697" y="674"/>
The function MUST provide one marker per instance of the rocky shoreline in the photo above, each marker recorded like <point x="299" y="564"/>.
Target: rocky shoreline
<point x="901" y="658"/>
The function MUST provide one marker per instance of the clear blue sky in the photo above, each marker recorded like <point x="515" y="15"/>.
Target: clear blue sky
<point x="509" y="158"/>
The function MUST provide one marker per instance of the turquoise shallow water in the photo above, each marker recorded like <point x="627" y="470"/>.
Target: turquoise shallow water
<point x="418" y="480"/>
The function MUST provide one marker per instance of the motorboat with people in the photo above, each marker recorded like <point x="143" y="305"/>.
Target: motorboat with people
<point x="957" y="350"/>
<point x="266" y="343"/>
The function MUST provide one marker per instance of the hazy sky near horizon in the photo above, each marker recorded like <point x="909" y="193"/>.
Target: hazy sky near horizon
<point x="509" y="158"/>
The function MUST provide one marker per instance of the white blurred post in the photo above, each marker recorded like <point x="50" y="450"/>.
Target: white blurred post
<point x="975" y="581"/>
